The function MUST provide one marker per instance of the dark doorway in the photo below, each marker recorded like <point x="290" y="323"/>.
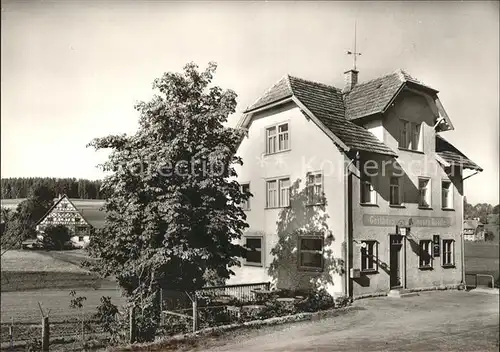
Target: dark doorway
<point x="395" y="260"/>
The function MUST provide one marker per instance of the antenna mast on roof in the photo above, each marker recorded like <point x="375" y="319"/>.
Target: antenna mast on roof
<point x="354" y="53"/>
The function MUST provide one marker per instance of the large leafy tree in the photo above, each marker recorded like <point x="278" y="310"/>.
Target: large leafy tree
<point x="20" y="225"/>
<point x="173" y="207"/>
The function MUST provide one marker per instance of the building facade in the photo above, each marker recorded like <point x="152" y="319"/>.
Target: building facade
<point x="64" y="212"/>
<point x="354" y="190"/>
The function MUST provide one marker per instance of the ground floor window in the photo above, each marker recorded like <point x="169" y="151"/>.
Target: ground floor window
<point x="254" y="251"/>
<point x="369" y="256"/>
<point x="310" y="253"/>
<point x="80" y="238"/>
<point x="448" y="253"/>
<point x="425" y="255"/>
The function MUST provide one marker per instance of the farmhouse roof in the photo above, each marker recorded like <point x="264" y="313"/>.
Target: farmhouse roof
<point x="96" y="220"/>
<point x="472" y="224"/>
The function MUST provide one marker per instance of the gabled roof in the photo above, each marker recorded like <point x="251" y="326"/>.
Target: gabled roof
<point x="472" y="224"/>
<point x="326" y="104"/>
<point x="375" y="96"/>
<point x="453" y="156"/>
<point x="96" y="220"/>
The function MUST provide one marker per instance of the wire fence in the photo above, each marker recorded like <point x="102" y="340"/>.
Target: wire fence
<point x="181" y="312"/>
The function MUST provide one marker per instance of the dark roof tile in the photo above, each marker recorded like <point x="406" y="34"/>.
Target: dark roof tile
<point x="454" y="156"/>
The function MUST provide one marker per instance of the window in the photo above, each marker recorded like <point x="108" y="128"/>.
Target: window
<point x="311" y="253"/>
<point x="368" y="193"/>
<point x="64" y="205"/>
<point x="409" y="135"/>
<point x="254" y="251"/>
<point x="277" y="138"/>
<point x="245" y="205"/>
<point x="278" y="197"/>
<point x="80" y="238"/>
<point x="271" y="140"/>
<point x="425" y="257"/>
<point x="403" y="134"/>
<point x="395" y="191"/>
<point x="77" y="219"/>
<point x="284" y="196"/>
<point x="315" y="188"/>
<point x="447" y="195"/>
<point x="283" y="137"/>
<point x="369" y="256"/>
<point x="448" y="253"/>
<point x="424" y="188"/>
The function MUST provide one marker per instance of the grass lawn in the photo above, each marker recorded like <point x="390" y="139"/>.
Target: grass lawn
<point x="26" y="260"/>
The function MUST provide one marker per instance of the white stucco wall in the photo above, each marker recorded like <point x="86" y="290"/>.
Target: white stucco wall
<point x="377" y="128"/>
<point x="311" y="150"/>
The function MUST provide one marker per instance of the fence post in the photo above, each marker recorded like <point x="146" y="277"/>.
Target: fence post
<point x="161" y="306"/>
<point x="45" y="333"/>
<point x="11" y="332"/>
<point x="132" y="329"/>
<point x="195" y="313"/>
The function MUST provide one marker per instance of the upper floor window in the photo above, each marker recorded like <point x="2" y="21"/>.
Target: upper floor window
<point x="277" y="138"/>
<point x="368" y="193"/>
<point x="278" y="193"/>
<point x="424" y="188"/>
<point x="410" y="135"/>
<point x="245" y="205"/>
<point x="447" y="194"/>
<point x="369" y="256"/>
<point x="314" y="188"/>
<point x="425" y="257"/>
<point x="64" y="205"/>
<point x="395" y="191"/>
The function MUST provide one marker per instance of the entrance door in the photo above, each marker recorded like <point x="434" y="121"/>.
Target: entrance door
<point x="395" y="261"/>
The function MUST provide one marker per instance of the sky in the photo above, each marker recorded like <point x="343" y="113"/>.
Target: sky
<point x="72" y="71"/>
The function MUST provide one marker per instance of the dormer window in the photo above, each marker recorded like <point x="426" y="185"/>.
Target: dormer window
<point x="277" y="138"/>
<point x="410" y="135"/>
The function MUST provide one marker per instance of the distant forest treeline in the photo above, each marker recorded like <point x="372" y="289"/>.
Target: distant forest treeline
<point x="17" y="187"/>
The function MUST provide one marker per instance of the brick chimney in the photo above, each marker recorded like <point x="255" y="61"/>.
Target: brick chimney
<point x="350" y="80"/>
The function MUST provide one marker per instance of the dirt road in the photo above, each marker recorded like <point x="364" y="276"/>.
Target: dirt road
<point x="445" y="321"/>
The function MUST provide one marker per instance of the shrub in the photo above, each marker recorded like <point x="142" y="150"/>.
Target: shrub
<point x="34" y="345"/>
<point x="107" y="317"/>
<point x="316" y="300"/>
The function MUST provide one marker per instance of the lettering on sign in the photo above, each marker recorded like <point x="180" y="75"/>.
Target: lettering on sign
<point x="402" y="220"/>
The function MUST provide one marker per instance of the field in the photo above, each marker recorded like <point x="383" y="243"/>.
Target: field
<point x="482" y="258"/>
<point x="31" y="270"/>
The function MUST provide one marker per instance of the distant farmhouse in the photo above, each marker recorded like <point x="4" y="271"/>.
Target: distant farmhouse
<point x="79" y="220"/>
<point x="473" y="230"/>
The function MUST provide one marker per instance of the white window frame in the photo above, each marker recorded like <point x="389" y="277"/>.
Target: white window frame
<point x="279" y="196"/>
<point x="448" y="248"/>
<point x="315" y="189"/>
<point x="427" y="189"/>
<point x="367" y="188"/>
<point x="245" y="205"/>
<point x="449" y="192"/>
<point x="410" y="135"/>
<point x="399" y="188"/>
<point x="364" y="256"/>
<point x="428" y="244"/>
<point x="275" y="137"/>
<point x="300" y="251"/>
<point x="261" y="250"/>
